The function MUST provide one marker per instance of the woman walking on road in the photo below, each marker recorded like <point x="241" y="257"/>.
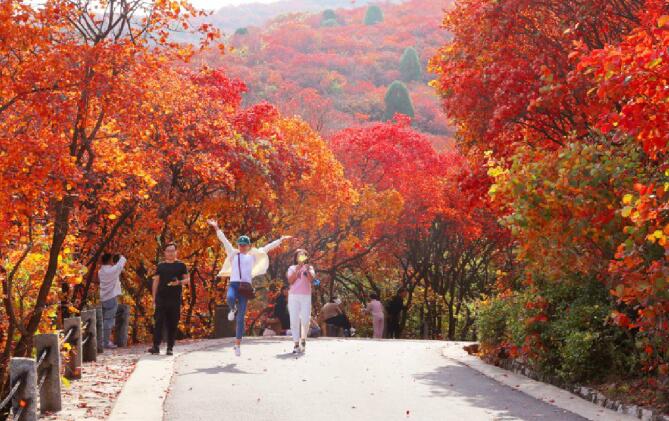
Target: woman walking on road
<point x="242" y="265"/>
<point x="300" y="276"/>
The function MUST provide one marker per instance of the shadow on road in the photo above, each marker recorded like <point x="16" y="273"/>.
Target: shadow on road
<point x="230" y="368"/>
<point x="289" y="356"/>
<point x="464" y="383"/>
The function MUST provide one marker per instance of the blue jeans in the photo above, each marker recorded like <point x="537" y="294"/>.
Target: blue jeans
<point x="108" y="318"/>
<point x="236" y="300"/>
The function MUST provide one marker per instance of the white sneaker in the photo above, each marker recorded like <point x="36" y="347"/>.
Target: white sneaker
<point x="238" y="351"/>
<point x="110" y="345"/>
<point x="352" y="331"/>
<point x="231" y="314"/>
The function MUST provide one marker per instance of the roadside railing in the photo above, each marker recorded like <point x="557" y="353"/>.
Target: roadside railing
<point x="38" y="380"/>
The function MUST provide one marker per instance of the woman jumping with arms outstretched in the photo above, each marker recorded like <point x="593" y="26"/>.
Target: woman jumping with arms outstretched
<point x="242" y="265"/>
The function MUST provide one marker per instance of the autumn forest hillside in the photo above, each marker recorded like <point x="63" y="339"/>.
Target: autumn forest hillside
<point x="334" y="68"/>
<point x="230" y="18"/>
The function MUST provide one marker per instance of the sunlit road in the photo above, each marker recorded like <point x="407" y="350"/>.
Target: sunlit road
<point x="339" y="379"/>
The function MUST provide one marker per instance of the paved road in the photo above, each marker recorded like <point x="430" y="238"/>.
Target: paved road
<point x="342" y="380"/>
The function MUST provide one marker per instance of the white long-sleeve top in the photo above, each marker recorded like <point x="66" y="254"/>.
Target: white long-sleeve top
<point x="252" y="264"/>
<point x="110" y="279"/>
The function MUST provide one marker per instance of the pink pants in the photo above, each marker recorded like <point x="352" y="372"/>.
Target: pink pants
<point x="378" y="326"/>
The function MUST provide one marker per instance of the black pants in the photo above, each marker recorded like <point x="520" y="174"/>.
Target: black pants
<point x="166" y="317"/>
<point x="284" y="318"/>
<point x="393" y="327"/>
<point x="340" y="320"/>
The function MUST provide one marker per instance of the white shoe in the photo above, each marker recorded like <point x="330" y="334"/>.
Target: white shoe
<point x="110" y="345"/>
<point x="231" y="314"/>
<point x="238" y="351"/>
<point x="296" y="349"/>
<point x="352" y="331"/>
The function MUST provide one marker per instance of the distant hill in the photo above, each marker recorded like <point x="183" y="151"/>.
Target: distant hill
<point x="230" y="18"/>
<point x="344" y="67"/>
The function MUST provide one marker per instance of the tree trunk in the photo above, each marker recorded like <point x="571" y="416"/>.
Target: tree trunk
<point x="468" y="323"/>
<point x="60" y="229"/>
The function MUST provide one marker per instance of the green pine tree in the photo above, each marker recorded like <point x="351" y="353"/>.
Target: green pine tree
<point x="410" y="67"/>
<point x="374" y="15"/>
<point x="328" y="14"/>
<point x="398" y="100"/>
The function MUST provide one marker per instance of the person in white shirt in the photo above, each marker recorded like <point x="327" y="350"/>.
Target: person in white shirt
<point x="110" y="288"/>
<point x="375" y="308"/>
<point x="241" y="266"/>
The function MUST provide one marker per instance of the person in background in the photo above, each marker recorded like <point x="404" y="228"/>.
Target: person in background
<point x="314" y="329"/>
<point x="395" y="308"/>
<point x="171" y="274"/>
<point x="242" y="265"/>
<point x="281" y="308"/>
<point x="375" y="308"/>
<point x="267" y="330"/>
<point x="300" y="276"/>
<point x="110" y="288"/>
<point x="333" y="314"/>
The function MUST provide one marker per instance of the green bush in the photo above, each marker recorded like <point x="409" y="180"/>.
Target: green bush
<point x="491" y="322"/>
<point x="578" y="341"/>
<point x="410" y="67"/>
<point x="374" y="15"/>
<point x="398" y="101"/>
<point x="329" y="14"/>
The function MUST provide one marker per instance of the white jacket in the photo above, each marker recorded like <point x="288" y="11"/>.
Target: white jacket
<point x="110" y="283"/>
<point x="261" y="259"/>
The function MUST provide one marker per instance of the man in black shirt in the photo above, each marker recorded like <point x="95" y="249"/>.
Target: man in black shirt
<point x="170" y="275"/>
<point x="394" y="308"/>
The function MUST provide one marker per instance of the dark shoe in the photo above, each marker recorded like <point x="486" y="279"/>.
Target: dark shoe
<point x="169" y="352"/>
<point x="153" y="350"/>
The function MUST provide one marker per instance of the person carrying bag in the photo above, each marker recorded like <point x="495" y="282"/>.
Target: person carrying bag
<point x="241" y="266"/>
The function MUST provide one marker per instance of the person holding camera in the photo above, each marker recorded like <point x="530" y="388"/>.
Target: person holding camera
<point x="110" y="288"/>
<point x="375" y="309"/>
<point x="242" y="265"/>
<point x="300" y="276"/>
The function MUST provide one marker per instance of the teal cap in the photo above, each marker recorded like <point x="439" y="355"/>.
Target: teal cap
<point x="244" y="240"/>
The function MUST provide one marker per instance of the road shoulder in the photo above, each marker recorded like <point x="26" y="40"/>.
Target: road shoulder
<point x="147" y="388"/>
<point x="541" y="391"/>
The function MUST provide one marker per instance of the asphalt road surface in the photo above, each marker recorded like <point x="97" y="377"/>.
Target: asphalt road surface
<point x="341" y="380"/>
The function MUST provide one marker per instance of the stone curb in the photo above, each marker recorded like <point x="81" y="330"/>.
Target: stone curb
<point x="545" y="392"/>
<point x="589" y="394"/>
<point x="144" y="394"/>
